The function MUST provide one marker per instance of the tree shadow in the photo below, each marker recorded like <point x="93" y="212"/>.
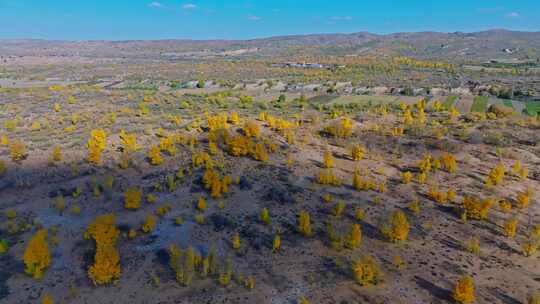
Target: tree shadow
<point x="436" y="291"/>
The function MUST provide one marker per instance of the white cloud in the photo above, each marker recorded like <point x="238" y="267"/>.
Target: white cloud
<point x="253" y="17"/>
<point x="156" y="5"/>
<point x="512" y="15"/>
<point x="189" y="6"/>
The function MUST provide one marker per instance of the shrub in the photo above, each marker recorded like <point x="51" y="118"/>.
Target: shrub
<point x="355" y="237"/>
<point x="328" y="160"/>
<point x="496" y="175"/>
<point x="510" y="228"/>
<point x="183" y="264"/>
<point x="128" y="142"/>
<point x="17" y="150"/>
<point x="341" y="128"/>
<point x="304" y="223"/>
<point x="448" y="162"/>
<point x="3" y="246"/>
<point x="106" y="267"/>
<point x="327" y="177"/>
<point x="406" y="177"/>
<point x="201" y="204"/>
<point x="414" y="207"/>
<point x="236" y="243"/>
<point x="338" y="209"/>
<point x="359" y="214"/>
<point x="47" y="299"/>
<point x="534" y="298"/>
<point x="251" y="129"/>
<point x="276" y="244"/>
<point x="472" y="245"/>
<point x="358" y="152"/>
<point x="149" y="224"/>
<point x="523" y="199"/>
<point x="154" y="155"/>
<point x="265" y="216"/>
<point x="475" y="208"/>
<point x="132" y="198"/>
<point x="56" y="154"/>
<point x="464" y="290"/>
<point x="396" y="228"/>
<point x="366" y="271"/>
<point x="36" y="255"/>
<point x="95" y="145"/>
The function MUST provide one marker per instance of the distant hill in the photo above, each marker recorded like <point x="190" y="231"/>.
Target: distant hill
<point x="453" y="47"/>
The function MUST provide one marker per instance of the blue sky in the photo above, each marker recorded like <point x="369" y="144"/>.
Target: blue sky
<point x="214" y="19"/>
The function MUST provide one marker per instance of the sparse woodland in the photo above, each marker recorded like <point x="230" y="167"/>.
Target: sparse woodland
<point x="187" y="197"/>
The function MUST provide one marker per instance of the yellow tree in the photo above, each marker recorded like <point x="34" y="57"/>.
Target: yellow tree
<point x="36" y="255"/>
<point x="464" y="290"/>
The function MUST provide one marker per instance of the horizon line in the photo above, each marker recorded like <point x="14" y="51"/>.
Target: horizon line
<point x="274" y="36"/>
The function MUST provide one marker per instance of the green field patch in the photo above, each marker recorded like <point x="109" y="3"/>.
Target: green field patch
<point x="508" y="103"/>
<point x="479" y="104"/>
<point x="532" y="108"/>
<point x="364" y="99"/>
<point x="449" y="101"/>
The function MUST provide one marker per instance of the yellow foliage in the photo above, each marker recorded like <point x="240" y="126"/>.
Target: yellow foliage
<point x="406" y="177"/>
<point x="327" y="177"/>
<point x="47" y="299"/>
<point x="251" y="129"/>
<point x="366" y="271"/>
<point x="128" y="141"/>
<point x="260" y="153"/>
<point x="276" y="244"/>
<point x="167" y="144"/>
<point x="464" y="291"/>
<point x="510" y="228"/>
<point x="201" y="204"/>
<point x="436" y="195"/>
<point x="426" y="164"/>
<point x="95" y="145"/>
<point x="505" y="206"/>
<point x="358" y="152"/>
<point x="265" y="216"/>
<point x="523" y="200"/>
<point x="149" y="224"/>
<point x="106" y="267"/>
<point x="355" y="237"/>
<point x="341" y="128"/>
<point x="4" y="140"/>
<point x="17" y="150"/>
<point x="448" y="162"/>
<point x="36" y="255"/>
<point x="304" y="223"/>
<point x="234" y="118"/>
<point x="359" y="214"/>
<point x="453" y="113"/>
<point x="238" y="145"/>
<point x="475" y="208"/>
<point x="328" y="160"/>
<point x="496" y="175"/>
<point x="472" y="245"/>
<point x="132" y="198"/>
<point x="201" y="158"/>
<point x="236" y="243"/>
<point x="154" y="155"/>
<point x="217" y="122"/>
<point x="56" y="154"/>
<point x="397" y="227"/>
<point x="414" y="207"/>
